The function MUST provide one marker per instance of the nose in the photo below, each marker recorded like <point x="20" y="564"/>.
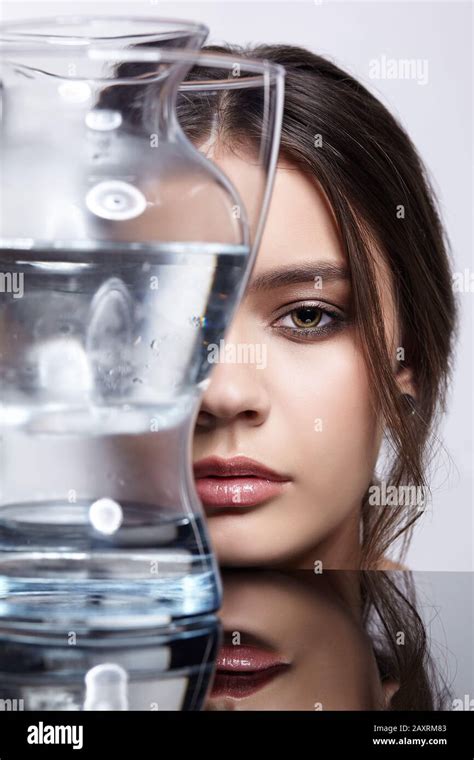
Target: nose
<point x="237" y="389"/>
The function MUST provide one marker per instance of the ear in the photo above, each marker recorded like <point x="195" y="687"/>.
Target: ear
<point x="389" y="688"/>
<point x="405" y="381"/>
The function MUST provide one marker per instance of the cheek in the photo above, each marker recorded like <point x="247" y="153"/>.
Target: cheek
<point x="325" y="398"/>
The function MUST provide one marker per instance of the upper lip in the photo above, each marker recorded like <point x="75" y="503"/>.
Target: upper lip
<point x="239" y="466"/>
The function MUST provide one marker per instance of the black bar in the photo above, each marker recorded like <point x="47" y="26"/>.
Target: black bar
<point x="133" y="734"/>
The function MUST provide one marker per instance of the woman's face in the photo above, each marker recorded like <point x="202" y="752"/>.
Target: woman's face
<point x="295" y="642"/>
<point x="292" y="393"/>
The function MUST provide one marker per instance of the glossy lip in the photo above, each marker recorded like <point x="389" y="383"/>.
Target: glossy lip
<point x="237" y="482"/>
<point x="245" y="668"/>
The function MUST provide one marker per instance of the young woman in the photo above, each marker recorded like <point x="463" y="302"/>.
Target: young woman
<point x="351" y="299"/>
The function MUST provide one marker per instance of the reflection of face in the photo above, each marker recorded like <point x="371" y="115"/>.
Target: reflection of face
<point x="329" y="662"/>
<point x="307" y="414"/>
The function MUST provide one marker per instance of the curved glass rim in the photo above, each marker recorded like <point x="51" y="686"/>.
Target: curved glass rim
<point x="63" y="20"/>
<point x="268" y="70"/>
<point x="269" y="73"/>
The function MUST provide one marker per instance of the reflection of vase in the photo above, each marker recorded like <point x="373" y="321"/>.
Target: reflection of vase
<point x="139" y="670"/>
<point x="130" y="257"/>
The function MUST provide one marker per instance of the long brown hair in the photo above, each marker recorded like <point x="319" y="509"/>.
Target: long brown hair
<point x="382" y="199"/>
<point x="390" y="608"/>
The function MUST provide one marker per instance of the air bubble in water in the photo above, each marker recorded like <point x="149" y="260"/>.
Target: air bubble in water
<point x="106" y="516"/>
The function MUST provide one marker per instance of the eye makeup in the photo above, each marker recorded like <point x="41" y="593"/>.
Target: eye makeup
<point x="310" y="320"/>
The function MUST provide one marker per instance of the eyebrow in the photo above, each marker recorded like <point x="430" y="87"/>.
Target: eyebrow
<point x="303" y="273"/>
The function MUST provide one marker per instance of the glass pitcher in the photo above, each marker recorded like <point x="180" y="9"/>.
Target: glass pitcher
<point x="124" y="251"/>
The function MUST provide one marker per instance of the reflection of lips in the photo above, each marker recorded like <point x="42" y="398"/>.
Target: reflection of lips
<point x="243" y="670"/>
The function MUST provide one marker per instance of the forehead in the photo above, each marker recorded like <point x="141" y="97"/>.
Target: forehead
<point x="300" y="226"/>
<point x="300" y="222"/>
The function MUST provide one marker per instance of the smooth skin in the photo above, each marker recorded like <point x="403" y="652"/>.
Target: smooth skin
<point x="309" y="412"/>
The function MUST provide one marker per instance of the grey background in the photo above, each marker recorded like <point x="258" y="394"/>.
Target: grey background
<point x="445" y="602"/>
<point x="438" y="117"/>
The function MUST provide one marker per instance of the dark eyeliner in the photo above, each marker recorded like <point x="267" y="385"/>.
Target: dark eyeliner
<point x="339" y="322"/>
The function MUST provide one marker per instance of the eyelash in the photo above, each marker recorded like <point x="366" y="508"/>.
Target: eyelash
<point x="338" y="321"/>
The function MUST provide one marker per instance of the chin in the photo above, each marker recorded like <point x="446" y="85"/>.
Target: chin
<point x="230" y="555"/>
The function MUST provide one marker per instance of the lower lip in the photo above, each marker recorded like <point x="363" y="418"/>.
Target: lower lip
<point x="234" y="492"/>
<point x="242" y="671"/>
<point x="243" y="685"/>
